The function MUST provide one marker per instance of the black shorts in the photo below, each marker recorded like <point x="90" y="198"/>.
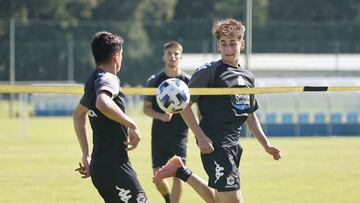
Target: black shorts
<point x="118" y="184"/>
<point x="222" y="168"/>
<point x="163" y="149"/>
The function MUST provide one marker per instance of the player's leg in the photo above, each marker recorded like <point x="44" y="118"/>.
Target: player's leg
<point x="162" y="186"/>
<point x="222" y="169"/>
<point x="175" y="168"/>
<point x="217" y="198"/>
<point x="178" y="148"/>
<point x="176" y="190"/>
<point x="159" y="157"/>
<point x="201" y="188"/>
<point x="118" y="184"/>
<point x="231" y="196"/>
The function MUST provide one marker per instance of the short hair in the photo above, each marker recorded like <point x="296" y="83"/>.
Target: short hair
<point x="104" y="45"/>
<point x="228" y="27"/>
<point x="173" y="44"/>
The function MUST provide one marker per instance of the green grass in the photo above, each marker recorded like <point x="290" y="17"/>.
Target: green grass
<point x="39" y="166"/>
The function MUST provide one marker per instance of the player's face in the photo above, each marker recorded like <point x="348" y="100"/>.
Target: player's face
<point x="230" y="48"/>
<point x="118" y="57"/>
<point x="172" y="57"/>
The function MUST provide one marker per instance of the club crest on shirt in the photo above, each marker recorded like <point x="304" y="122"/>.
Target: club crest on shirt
<point x="240" y="101"/>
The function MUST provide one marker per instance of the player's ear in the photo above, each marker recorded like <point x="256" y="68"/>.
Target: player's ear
<point x="218" y="46"/>
<point x="242" y="46"/>
<point x="115" y="57"/>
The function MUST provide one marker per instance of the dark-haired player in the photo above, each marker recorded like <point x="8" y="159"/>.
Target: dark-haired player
<point x="114" y="133"/>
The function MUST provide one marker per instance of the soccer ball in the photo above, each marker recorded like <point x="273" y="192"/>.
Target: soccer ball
<point x="172" y="95"/>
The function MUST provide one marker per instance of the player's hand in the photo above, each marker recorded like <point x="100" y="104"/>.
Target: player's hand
<point x="84" y="168"/>
<point x="275" y="152"/>
<point x="166" y="117"/>
<point x="134" y="139"/>
<point x="205" y="144"/>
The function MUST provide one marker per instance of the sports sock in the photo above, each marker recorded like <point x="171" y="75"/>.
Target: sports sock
<point x="183" y="173"/>
<point x="167" y="197"/>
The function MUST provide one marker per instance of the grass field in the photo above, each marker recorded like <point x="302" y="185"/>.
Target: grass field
<point x="39" y="166"/>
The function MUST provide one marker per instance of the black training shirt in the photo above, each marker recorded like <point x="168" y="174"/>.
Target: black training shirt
<point x="223" y="115"/>
<point x="176" y="127"/>
<point x="108" y="135"/>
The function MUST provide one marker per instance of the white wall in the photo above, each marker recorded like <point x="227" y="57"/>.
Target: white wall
<point x="283" y="62"/>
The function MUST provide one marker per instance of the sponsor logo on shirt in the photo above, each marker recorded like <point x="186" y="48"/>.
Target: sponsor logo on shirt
<point x="241" y="101"/>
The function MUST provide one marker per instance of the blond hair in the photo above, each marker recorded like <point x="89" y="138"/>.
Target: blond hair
<point x="228" y="27"/>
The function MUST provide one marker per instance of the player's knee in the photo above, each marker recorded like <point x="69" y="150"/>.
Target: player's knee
<point x="160" y="182"/>
<point x="231" y="196"/>
<point x="177" y="181"/>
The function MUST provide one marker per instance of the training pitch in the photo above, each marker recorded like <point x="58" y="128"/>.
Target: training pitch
<point x="38" y="158"/>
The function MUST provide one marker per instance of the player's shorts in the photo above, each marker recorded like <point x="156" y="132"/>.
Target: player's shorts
<point x="118" y="184"/>
<point x="163" y="149"/>
<point x="222" y="168"/>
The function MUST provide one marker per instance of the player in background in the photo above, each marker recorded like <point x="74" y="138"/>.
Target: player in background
<point x="114" y="132"/>
<point x="218" y="132"/>
<point x="169" y="131"/>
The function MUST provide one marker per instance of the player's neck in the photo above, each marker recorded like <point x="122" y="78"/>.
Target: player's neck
<point x="232" y="63"/>
<point x="172" y="71"/>
<point x="108" y="68"/>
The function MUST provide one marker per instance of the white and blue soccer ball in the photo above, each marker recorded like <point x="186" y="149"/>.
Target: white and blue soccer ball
<point x="172" y="95"/>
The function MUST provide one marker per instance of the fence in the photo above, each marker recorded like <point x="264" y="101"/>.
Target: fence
<point x="39" y="50"/>
<point x="50" y="50"/>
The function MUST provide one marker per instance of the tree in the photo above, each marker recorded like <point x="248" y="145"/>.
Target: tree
<point x="313" y="10"/>
<point x="67" y="10"/>
<point x="135" y="19"/>
<point x="50" y="56"/>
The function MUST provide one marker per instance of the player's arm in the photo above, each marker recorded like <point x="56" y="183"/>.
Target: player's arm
<point x="254" y="126"/>
<point x="109" y="108"/>
<point x="202" y="77"/>
<point x="205" y="144"/>
<point x="149" y="111"/>
<point x="79" y="121"/>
